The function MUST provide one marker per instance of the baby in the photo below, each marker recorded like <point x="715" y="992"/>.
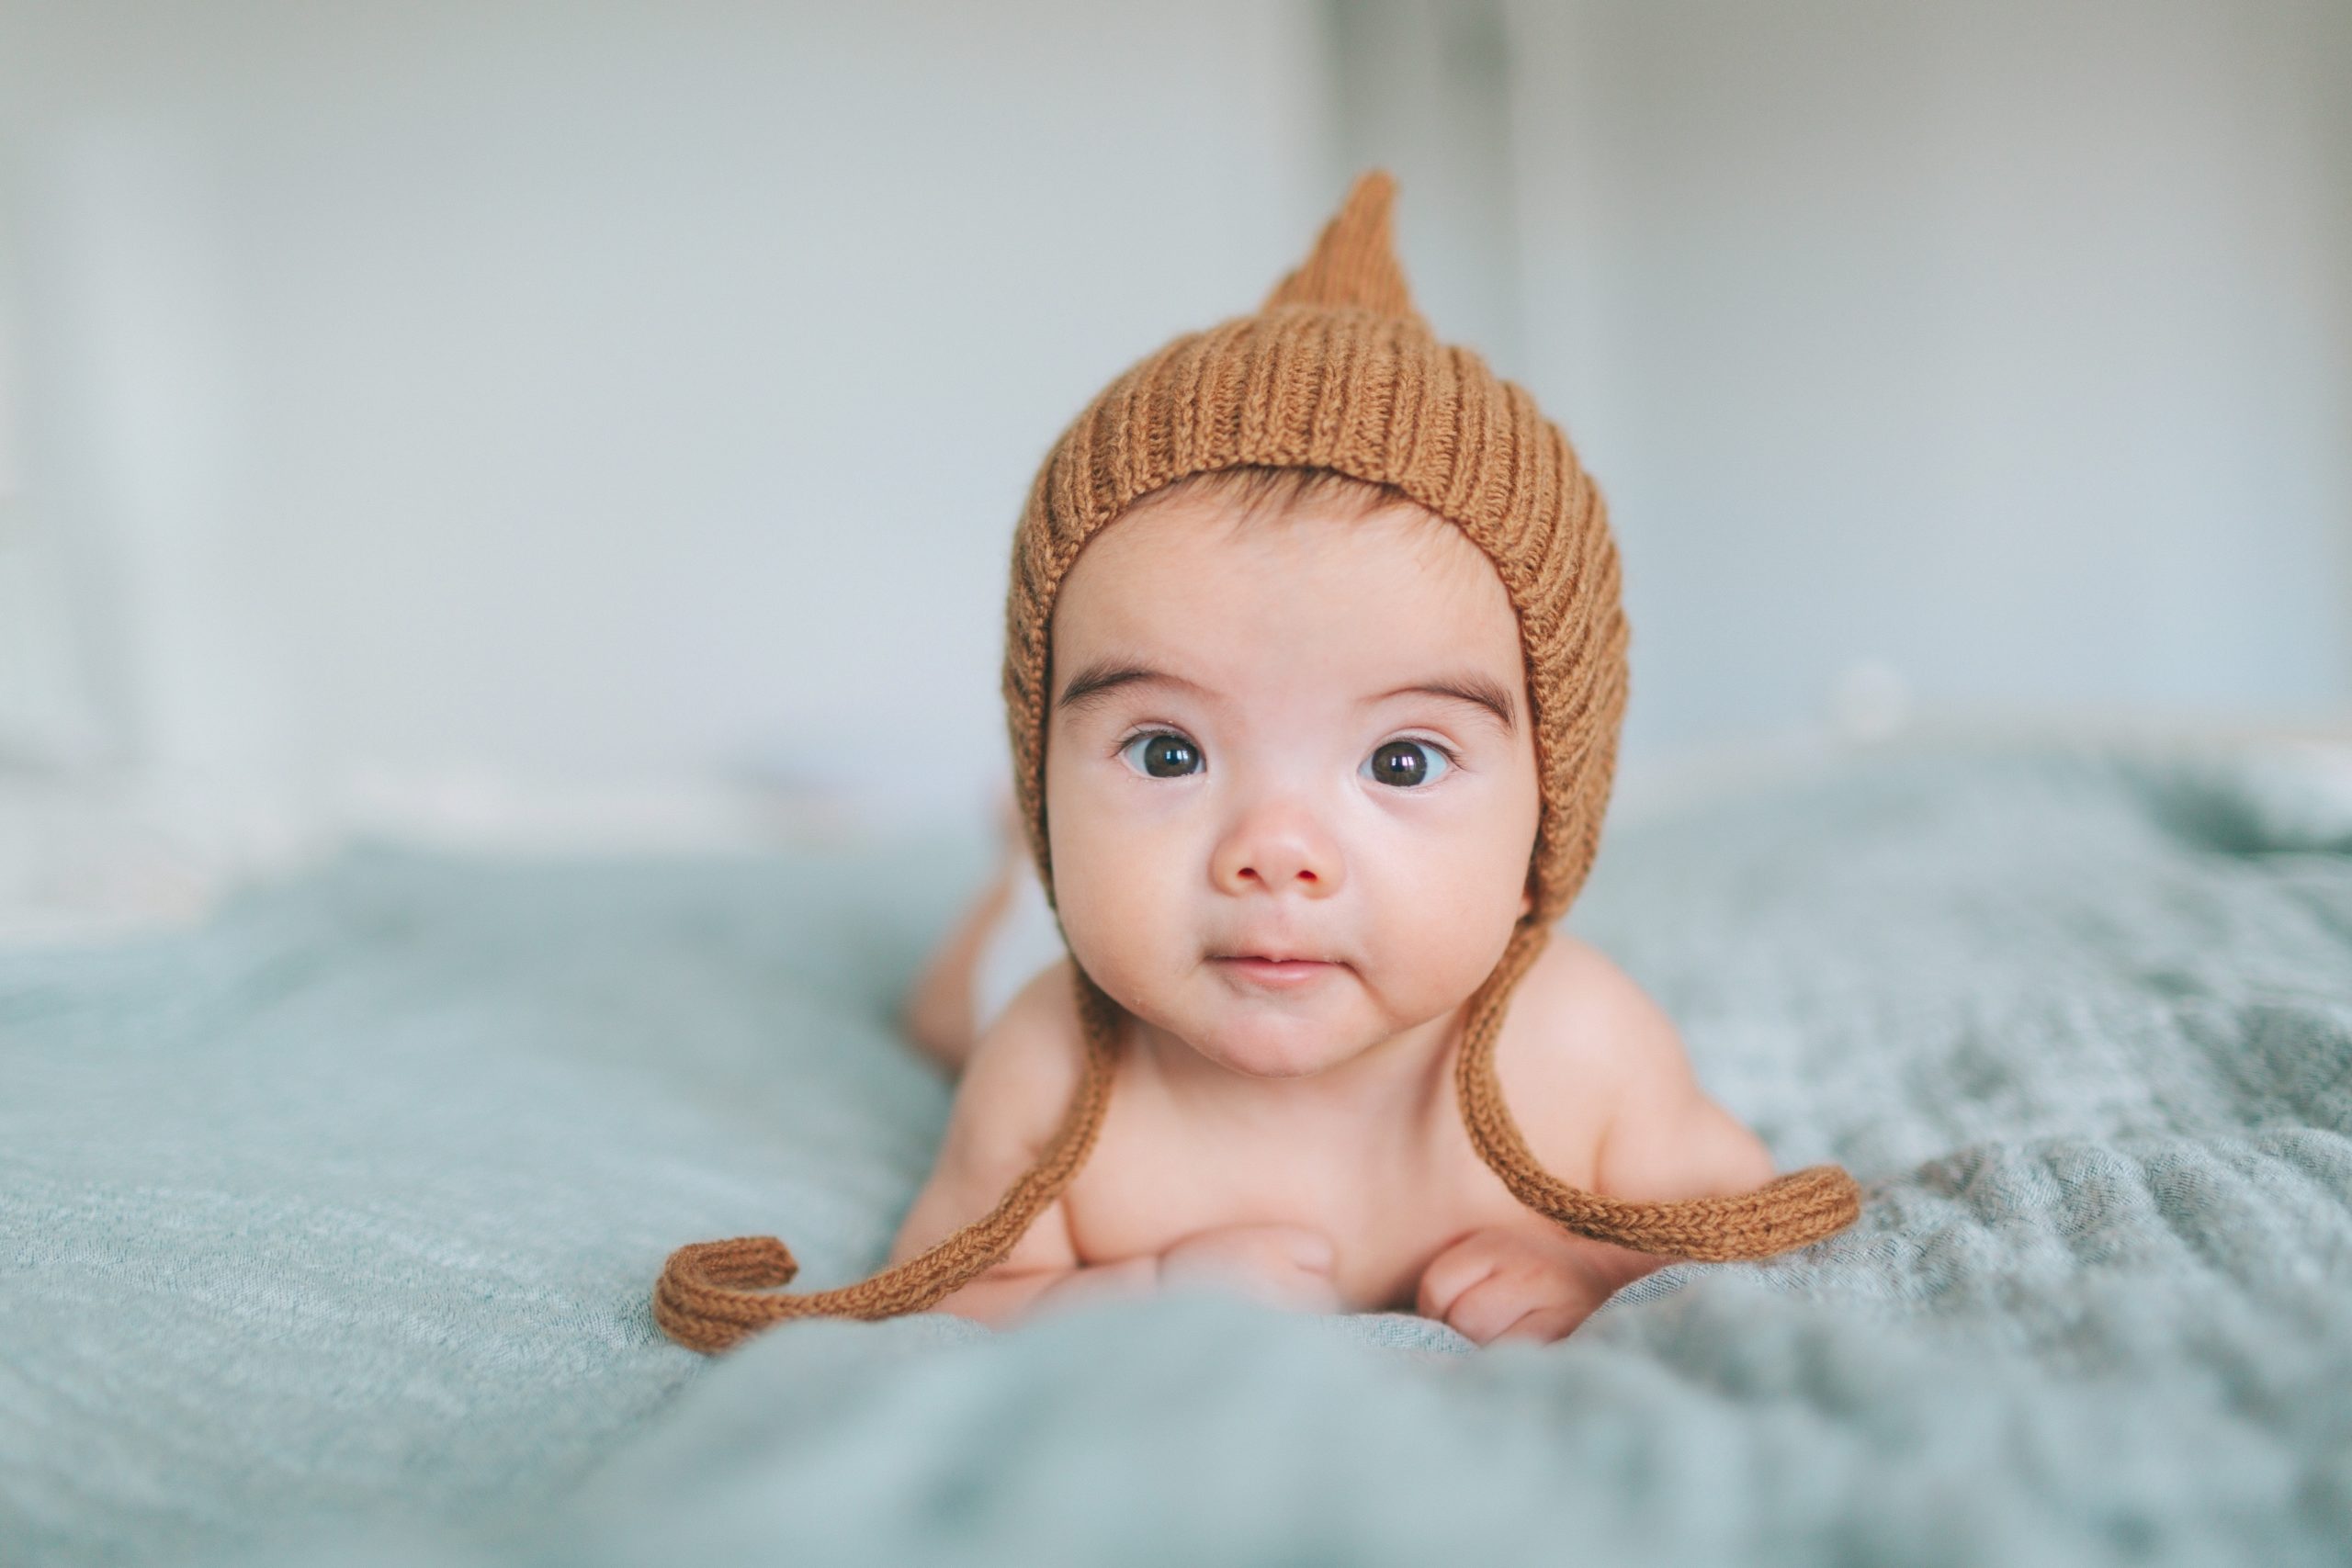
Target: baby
<point x="1293" y="800"/>
<point x="1314" y="673"/>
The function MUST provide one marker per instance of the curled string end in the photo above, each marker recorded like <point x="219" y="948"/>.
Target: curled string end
<point x="702" y="1299"/>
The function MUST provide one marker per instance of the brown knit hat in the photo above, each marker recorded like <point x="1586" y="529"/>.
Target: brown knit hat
<point x="1336" y="371"/>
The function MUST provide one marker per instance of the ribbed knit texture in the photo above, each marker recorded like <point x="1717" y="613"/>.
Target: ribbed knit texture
<point x="1337" y="370"/>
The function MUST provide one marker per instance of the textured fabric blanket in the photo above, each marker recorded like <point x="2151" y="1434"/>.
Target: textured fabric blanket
<point x="327" y="1229"/>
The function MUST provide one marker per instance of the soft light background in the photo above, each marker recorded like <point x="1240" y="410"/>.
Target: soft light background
<point x="584" y="422"/>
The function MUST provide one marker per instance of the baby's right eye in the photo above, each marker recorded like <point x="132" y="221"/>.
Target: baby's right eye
<point x="1165" y="754"/>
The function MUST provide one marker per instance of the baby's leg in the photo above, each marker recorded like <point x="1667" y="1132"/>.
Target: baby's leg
<point x="939" y="1011"/>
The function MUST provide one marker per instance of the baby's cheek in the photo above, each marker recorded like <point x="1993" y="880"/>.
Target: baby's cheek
<point x="1118" y="915"/>
<point x="1439" y="940"/>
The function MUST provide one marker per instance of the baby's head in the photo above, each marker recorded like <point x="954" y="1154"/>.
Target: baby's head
<point x="1289" y="718"/>
<point x="1293" y="518"/>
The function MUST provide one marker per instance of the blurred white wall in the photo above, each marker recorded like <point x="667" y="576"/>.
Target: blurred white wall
<point x="1993" y="357"/>
<point x="582" y="392"/>
<point x="422" y="402"/>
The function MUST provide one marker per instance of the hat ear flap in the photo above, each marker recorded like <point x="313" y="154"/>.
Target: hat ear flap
<point x="1354" y="260"/>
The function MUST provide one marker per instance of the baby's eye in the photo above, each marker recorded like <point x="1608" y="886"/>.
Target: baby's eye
<point x="1408" y="764"/>
<point x="1165" y="754"/>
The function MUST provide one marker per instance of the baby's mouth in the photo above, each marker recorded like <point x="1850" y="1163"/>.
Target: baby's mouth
<point x="1277" y="974"/>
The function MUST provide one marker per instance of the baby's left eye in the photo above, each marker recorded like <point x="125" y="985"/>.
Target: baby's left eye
<point x="1408" y="764"/>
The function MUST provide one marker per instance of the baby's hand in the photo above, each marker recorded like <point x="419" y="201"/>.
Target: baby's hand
<point x="1286" y="1266"/>
<point x="1502" y="1284"/>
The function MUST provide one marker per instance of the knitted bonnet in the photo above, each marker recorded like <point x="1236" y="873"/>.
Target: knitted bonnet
<point x="1336" y="371"/>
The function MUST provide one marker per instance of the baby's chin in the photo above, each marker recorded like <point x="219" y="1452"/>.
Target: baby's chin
<point x="1272" y="1040"/>
<point x="1252" y="1055"/>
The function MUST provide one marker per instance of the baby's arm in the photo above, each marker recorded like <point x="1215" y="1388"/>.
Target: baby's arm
<point x="1664" y="1140"/>
<point x="1016" y="1090"/>
<point x="1667" y="1140"/>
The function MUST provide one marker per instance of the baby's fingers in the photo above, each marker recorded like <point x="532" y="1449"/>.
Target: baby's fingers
<point x="1516" y="1304"/>
<point x="1544" y="1323"/>
<point x="1454" y="1271"/>
<point x="1301" y="1292"/>
<point x="1308" y="1249"/>
<point x="1481" y="1312"/>
<point x="1285" y="1265"/>
<point x="1256" y="1247"/>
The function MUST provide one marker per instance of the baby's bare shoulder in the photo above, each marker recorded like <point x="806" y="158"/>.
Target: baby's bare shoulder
<point x="1580" y="1029"/>
<point x="1595" y="1038"/>
<point x="1033" y="1053"/>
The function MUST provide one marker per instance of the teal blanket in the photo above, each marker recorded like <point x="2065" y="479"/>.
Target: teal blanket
<point x="327" y="1230"/>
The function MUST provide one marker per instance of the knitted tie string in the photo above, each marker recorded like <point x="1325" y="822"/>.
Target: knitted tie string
<point x="1786" y="1212"/>
<point x="713" y="1294"/>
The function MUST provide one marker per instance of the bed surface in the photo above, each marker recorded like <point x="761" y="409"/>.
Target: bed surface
<point x="327" y="1229"/>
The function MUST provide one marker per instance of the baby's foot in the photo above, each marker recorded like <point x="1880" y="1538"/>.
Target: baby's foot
<point x="938" y="1013"/>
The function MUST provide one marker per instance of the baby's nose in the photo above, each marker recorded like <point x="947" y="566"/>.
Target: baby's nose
<point x="1278" y="852"/>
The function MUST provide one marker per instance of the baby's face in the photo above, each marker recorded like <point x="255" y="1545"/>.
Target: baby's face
<point x="1236" y="764"/>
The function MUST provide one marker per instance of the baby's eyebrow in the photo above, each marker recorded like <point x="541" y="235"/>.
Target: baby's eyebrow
<point x="1088" y="684"/>
<point x="1482" y="692"/>
<point x="1470" y="687"/>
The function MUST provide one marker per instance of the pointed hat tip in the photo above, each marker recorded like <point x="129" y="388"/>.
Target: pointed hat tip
<point x="1373" y="193"/>
<point x="1354" y="258"/>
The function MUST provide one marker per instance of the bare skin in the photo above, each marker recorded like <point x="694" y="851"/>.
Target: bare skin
<point x="1293" y="1133"/>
